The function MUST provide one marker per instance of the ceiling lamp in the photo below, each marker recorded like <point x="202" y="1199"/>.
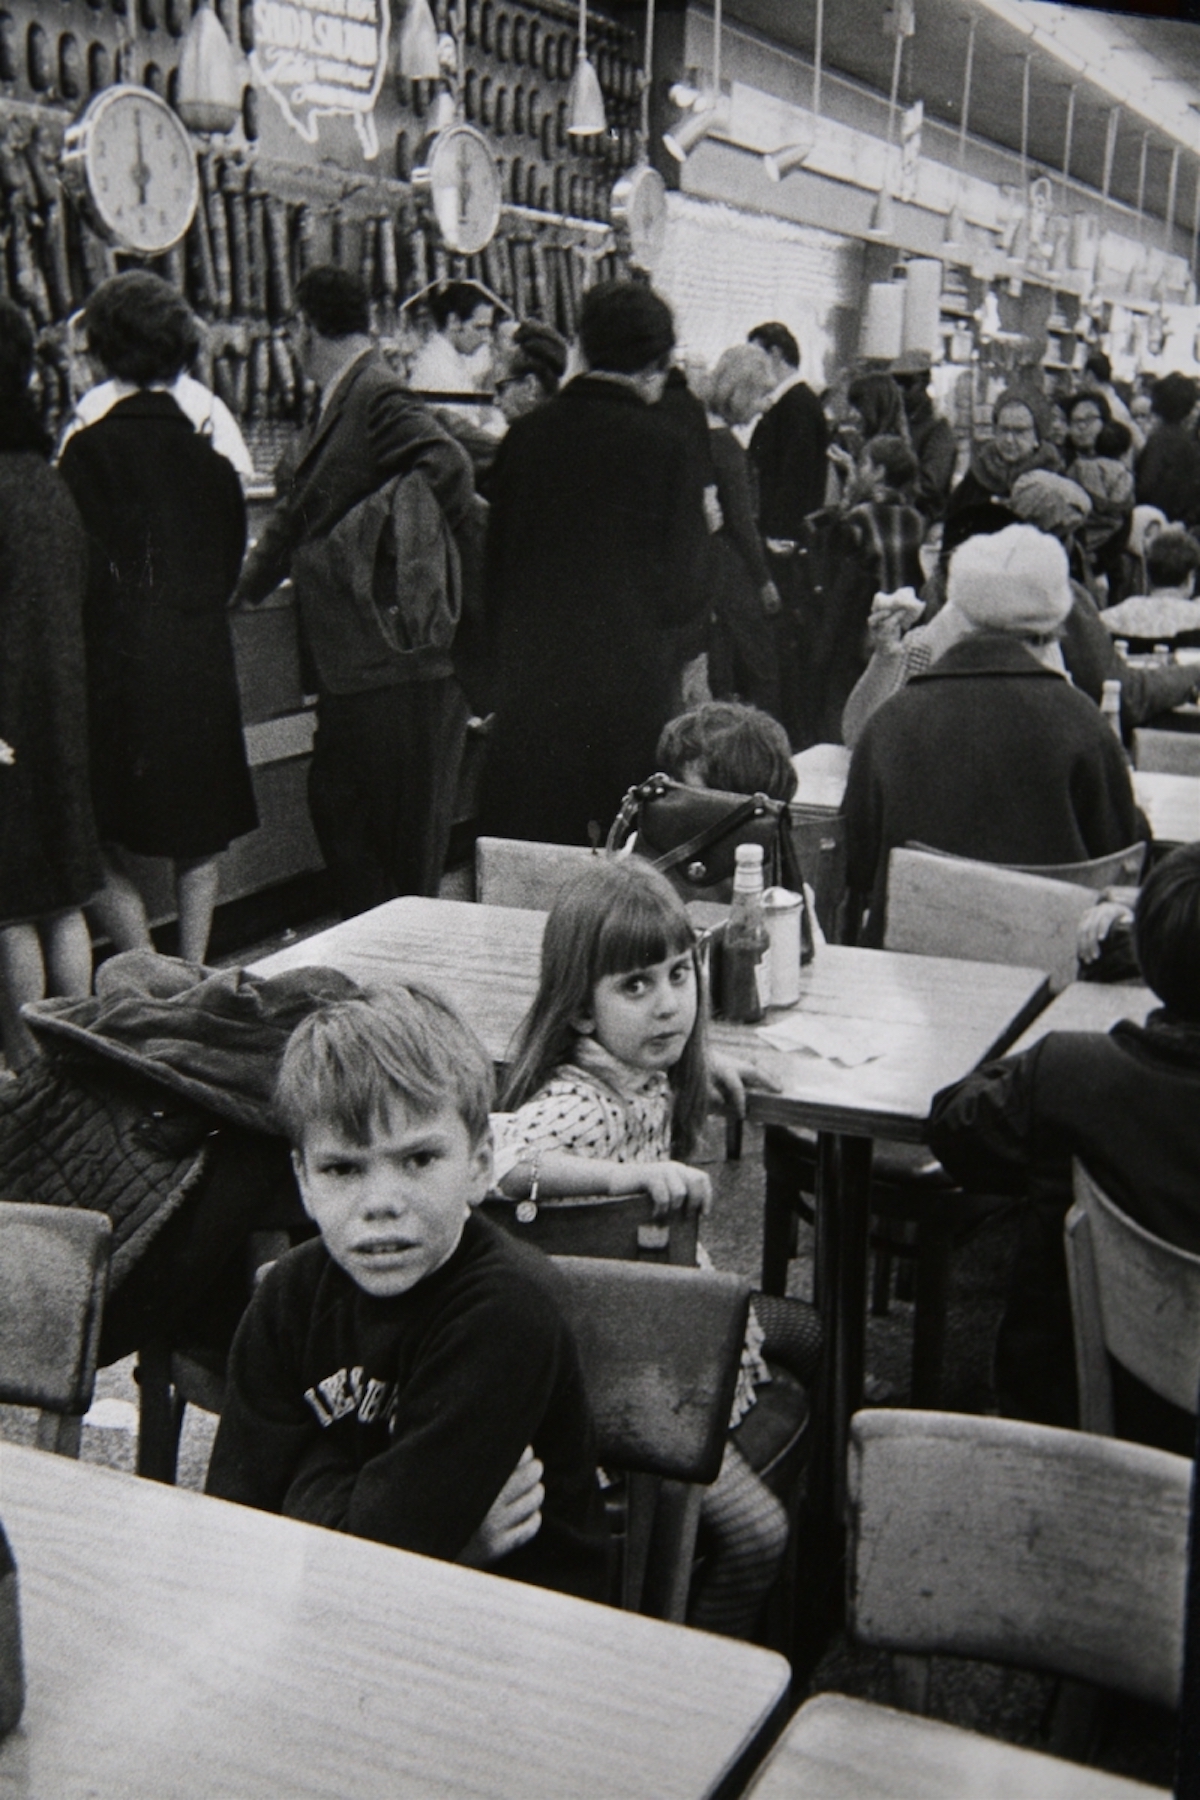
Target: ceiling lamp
<point x="418" y="58"/>
<point x="709" y="109"/>
<point x="210" y="82"/>
<point x="883" y="213"/>
<point x="585" y="102"/>
<point x="954" y="238"/>
<point x="781" y="162"/>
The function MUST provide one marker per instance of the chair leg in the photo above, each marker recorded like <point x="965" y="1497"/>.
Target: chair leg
<point x="929" y="1315"/>
<point x="881" y="1281"/>
<point x="160" y="1415"/>
<point x="60" y="1433"/>
<point x="733" y="1138"/>
<point x="779" y="1223"/>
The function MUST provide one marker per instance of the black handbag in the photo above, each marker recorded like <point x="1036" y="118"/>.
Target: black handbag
<point x="622" y="1227"/>
<point x="692" y="835"/>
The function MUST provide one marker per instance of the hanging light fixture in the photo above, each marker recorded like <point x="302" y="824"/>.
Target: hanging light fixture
<point x="418" y="58"/>
<point x="708" y="110"/>
<point x="955" y="235"/>
<point x="883" y="213"/>
<point x="210" y="81"/>
<point x="781" y="162"/>
<point x="585" y="102"/>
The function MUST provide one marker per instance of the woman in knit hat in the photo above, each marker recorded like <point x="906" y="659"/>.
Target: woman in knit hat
<point x="990" y="753"/>
<point x="1020" y="441"/>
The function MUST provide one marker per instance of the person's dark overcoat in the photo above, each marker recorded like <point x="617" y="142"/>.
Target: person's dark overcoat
<point x="166" y="525"/>
<point x="48" y="854"/>
<point x="788" y="451"/>
<point x="991" y="755"/>
<point x="597" y="520"/>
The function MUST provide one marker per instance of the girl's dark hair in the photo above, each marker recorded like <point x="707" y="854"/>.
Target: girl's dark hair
<point x="895" y="458"/>
<point x="20" y="427"/>
<point x="621" y="915"/>
<point x="1166" y="931"/>
<point x="140" y="328"/>
<point x="881" y="404"/>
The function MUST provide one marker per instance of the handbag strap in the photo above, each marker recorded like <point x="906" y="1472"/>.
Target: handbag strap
<point x="753" y="808"/>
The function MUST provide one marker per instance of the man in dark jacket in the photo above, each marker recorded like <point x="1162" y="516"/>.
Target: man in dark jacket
<point x="990" y="753"/>
<point x="788" y="452"/>
<point x="1126" y="1103"/>
<point x="597" y="525"/>
<point x="390" y="723"/>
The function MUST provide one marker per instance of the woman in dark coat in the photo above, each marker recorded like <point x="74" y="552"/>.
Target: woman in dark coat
<point x="167" y="528"/>
<point x="49" y="862"/>
<point x="595" y="537"/>
<point x="1020" y="442"/>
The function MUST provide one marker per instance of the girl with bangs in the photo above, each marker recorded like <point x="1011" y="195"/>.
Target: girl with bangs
<point x="610" y="1082"/>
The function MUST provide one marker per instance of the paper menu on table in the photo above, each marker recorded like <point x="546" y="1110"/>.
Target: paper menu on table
<point x="847" y="1043"/>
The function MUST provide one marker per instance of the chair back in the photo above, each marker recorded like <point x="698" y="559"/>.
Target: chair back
<point x="819" y="840"/>
<point x="514" y="872"/>
<point x="1133" y="1297"/>
<point x="1166" y="752"/>
<point x="660" y="1350"/>
<point x="1121" y="868"/>
<point x="1014" y="1543"/>
<point x="53" y="1274"/>
<point x="951" y="906"/>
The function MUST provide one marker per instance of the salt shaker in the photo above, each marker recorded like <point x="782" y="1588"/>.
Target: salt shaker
<point x="12" y="1670"/>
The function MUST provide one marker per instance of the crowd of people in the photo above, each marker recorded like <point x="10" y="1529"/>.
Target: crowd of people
<point x="580" y="568"/>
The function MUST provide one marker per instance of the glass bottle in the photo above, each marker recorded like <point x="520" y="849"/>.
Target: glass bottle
<point x="1110" y="705"/>
<point x="745" y="984"/>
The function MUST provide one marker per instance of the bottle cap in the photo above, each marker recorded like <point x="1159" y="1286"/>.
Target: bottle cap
<point x="748" y="855"/>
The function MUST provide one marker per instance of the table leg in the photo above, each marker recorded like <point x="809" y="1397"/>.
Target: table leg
<point x="850" y="1202"/>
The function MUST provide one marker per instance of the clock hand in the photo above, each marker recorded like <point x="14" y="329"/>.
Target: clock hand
<point x="464" y="184"/>
<point x="140" y="170"/>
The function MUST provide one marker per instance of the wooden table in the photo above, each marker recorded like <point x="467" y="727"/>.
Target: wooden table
<point x="181" y="1648"/>
<point x="1090" y="1006"/>
<point x="1170" y="802"/>
<point x="836" y="1748"/>
<point x="931" y="1019"/>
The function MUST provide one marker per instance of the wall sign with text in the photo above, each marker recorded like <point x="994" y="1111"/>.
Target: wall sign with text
<point x="323" y="58"/>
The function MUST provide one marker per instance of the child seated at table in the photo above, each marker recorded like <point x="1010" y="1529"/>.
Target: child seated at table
<point x="1127" y="1103"/>
<point x="388" y="1376"/>
<point x="727" y="745"/>
<point x="608" y="1088"/>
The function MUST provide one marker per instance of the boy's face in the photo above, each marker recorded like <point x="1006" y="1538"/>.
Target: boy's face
<point x="391" y="1211"/>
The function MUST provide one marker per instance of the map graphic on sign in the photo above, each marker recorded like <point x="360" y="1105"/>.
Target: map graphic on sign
<point x="322" y="57"/>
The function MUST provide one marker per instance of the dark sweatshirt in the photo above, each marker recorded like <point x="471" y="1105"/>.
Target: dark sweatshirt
<point x="401" y="1419"/>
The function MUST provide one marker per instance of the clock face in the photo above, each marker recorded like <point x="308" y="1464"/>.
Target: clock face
<point x="465" y="188"/>
<point x="639" y="202"/>
<point x="138" y="168"/>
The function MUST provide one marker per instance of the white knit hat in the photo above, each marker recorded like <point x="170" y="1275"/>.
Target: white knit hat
<point x="1016" y="581"/>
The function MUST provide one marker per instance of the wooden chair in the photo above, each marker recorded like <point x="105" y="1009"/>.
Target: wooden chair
<point x="514" y="872"/>
<point x="1054" y="1550"/>
<point x="660" y="1350"/>
<point x="1121" y="868"/>
<point x="1166" y="752"/>
<point x="1133" y="1297"/>
<point x="53" y="1276"/>
<point x="937" y="906"/>
<point x="951" y="906"/>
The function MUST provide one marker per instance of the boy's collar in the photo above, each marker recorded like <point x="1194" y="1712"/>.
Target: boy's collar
<point x="629" y="1083"/>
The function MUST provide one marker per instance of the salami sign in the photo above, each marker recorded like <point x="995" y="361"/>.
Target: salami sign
<point x="318" y="57"/>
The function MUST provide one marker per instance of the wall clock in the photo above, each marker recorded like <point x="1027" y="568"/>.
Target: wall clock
<point x="639" y="203"/>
